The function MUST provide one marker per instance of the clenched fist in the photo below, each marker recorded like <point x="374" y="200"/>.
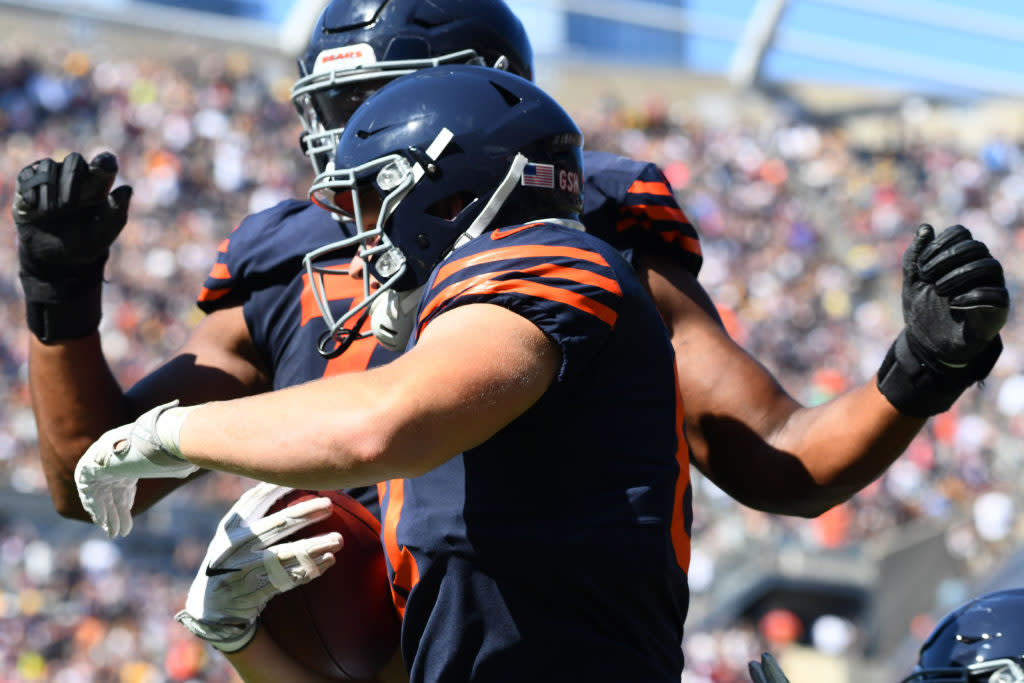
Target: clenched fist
<point x="955" y="302"/>
<point x="67" y="217"/>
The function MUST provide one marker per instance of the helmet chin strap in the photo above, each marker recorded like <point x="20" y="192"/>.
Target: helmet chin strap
<point x="433" y="152"/>
<point x="393" y="315"/>
<point x="497" y="200"/>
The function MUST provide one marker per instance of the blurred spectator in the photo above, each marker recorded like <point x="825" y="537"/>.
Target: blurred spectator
<point x="802" y="232"/>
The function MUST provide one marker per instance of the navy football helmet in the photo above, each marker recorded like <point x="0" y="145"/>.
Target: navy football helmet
<point x="358" y="45"/>
<point x="981" y="641"/>
<point x="443" y="155"/>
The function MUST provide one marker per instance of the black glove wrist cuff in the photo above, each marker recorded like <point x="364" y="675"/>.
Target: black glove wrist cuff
<point x="918" y="389"/>
<point x="70" y="319"/>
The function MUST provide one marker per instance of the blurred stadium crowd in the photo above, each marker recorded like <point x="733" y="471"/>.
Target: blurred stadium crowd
<point x="802" y="231"/>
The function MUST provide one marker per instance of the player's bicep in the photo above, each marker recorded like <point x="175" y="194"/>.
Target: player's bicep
<point x="733" y="404"/>
<point x="474" y="369"/>
<point x="217" y="362"/>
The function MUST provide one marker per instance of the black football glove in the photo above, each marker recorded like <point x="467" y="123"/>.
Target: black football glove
<point x="67" y="218"/>
<point x="954" y="304"/>
<point x="766" y="671"/>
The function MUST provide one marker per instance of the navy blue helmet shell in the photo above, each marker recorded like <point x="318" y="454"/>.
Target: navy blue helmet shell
<point x="492" y="116"/>
<point x="980" y="641"/>
<point x="359" y="45"/>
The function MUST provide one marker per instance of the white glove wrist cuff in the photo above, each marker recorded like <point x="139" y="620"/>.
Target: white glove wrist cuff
<point x="228" y="638"/>
<point x="232" y="646"/>
<point x="168" y="428"/>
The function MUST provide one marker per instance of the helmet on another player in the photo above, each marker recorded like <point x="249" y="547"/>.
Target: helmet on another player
<point x="981" y="641"/>
<point x="358" y="45"/>
<point x="446" y="153"/>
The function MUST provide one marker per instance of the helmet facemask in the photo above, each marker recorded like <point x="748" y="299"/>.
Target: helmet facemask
<point x="1004" y="670"/>
<point x="357" y="47"/>
<point x="445" y="154"/>
<point x="981" y="641"/>
<point x="327" y="98"/>
<point x="390" y="291"/>
<point x="387" y="180"/>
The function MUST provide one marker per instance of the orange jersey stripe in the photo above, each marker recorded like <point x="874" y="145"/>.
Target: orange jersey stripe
<point x="680" y="538"/>
<point x="585" y="277"/>
<point x="404" y="569"/>
<point x="486" y="283"/>
<point x="220" y="271"/>
<point x="206" y="294"/>
<point x="487" y="286"/>
<point x="690" y="244"/>
<point x="647" y="187"/>
<point x="519" y="252"/>
<point x="337" y="285"/>
<point x="223" y="246"/>
<point x="659" y="213"/>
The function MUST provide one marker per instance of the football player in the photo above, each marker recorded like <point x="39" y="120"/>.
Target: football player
<point x="264" y="329"/>
<point x="529" y="443"/>
<point x="744" y="429"/>
<point x="981" y="641"/>
<point x="742" y="426"/>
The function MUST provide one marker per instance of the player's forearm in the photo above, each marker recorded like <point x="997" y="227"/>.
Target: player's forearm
<point x="451" y="392"/>
<point x="748" y="434"/>
<point x="842" y="445"/>
<point x="262" y="661"/>
<point x="767" y="450"/>
<point x="75" y="399"/>
<point x="319" y="436"/>
<point x="337" y="432"/>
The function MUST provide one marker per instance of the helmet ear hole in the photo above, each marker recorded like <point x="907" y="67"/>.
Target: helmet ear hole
<point x="451" y="206"/>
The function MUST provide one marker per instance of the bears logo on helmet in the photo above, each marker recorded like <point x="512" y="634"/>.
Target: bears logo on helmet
<point x="359" y="45"/>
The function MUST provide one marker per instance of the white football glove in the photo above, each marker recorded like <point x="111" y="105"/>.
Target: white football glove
<point x="243" y="569"/>
<point x="108" y="473"/>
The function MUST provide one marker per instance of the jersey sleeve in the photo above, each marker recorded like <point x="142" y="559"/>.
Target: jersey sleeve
<point x="263" y="248"/>
<point x="219" y="289"/>
<point x="630" y="204"/>
<point x="551" y="276"/>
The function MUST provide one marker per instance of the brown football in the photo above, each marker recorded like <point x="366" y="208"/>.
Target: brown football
<point x="342" y="624"/>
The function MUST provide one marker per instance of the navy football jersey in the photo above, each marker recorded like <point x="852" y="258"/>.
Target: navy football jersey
<point x="630" y="204"/>
<point x="259" y="266"/>
<point x="626" y="203"/>
<point x="557" y="549"/>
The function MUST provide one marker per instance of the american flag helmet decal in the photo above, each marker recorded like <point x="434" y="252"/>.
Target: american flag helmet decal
<point x="539" y="175"/>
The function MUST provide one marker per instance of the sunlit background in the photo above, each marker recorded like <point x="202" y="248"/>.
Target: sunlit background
<point x="805" y="139"/>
